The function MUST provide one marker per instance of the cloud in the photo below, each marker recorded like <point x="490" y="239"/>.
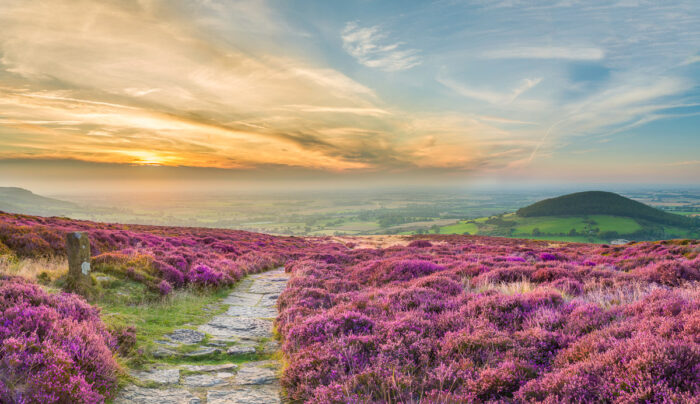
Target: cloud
<point x="147" y="83"/>
<point x="239" y="85"/>
<point x="684" y="163"/>
<point x="618" y="108"/>
<point x="566" y="53"/>
<point x="487" y="95"/>
<point x="137" y="76"/>
<point x="691" y="60"/>
<point x="341" y="110"/>
<point x="498" y="119"/>
<point x="370" y="48"/>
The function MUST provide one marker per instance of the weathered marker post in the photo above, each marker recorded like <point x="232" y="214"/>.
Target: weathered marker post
<point x="78" y="247"/>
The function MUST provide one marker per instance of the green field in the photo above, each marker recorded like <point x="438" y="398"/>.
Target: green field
<point x="460" y="228"/>
<point x="587" y="228"/>
<point x="557" y="225"/>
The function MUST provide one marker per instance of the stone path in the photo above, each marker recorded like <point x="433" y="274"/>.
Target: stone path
<point x="224" y="361"/>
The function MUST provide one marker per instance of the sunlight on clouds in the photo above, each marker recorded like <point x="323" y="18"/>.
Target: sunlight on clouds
<point x="251" y="85"/>
<point x="139" y="76"/>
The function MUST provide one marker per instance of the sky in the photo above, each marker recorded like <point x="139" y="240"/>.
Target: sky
<point x="122" y="93"/>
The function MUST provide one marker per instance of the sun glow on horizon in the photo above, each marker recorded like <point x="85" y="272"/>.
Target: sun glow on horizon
<point x="254" y="86"/>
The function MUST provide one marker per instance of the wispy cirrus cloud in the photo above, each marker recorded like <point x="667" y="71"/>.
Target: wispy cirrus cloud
<point x="546" y="52"/>
<point x="492" y="97"/>
<point x="371" y="47"/>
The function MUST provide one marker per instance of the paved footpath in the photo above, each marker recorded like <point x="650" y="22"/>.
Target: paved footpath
<point x="220" y="362"/>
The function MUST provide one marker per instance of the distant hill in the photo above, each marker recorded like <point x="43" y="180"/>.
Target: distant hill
<point x="19" y="200"/>
<point x="603" y="203"/>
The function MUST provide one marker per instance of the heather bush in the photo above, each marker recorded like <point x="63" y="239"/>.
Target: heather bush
<point x="476" y="319"/>
<point x="5" y="250"/>
<point x="53" y="348"/>
<point x="420" y="243"/>
<point x="125" y="337"/>
<point x="202" y="275"/>
<point x="164" y="288"/>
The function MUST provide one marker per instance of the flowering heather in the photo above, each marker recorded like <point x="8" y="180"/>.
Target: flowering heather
<point x="152" y="254"/>
<point x="443" y="319"/>
<point x="53" y="348"/>
<point x="476" y="319"/>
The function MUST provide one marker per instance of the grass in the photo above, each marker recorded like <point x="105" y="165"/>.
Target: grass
<point x="44" y="269"/>
<point x="678" y="232"/>
<point x="154" y="319"/>
<point x="460" y="228"/>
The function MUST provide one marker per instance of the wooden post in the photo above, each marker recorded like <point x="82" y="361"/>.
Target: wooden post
<point x="78" y="247"/>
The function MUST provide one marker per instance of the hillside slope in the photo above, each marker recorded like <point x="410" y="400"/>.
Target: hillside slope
<point x="20" y="200"/>
<point x="602" y="203"/>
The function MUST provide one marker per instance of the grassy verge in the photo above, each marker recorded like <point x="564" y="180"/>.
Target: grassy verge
<point x="153" y="319"/>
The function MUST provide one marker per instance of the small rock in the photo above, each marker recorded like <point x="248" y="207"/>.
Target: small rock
<point x="160" y="376"/>
<point x="241" y="350"/>
<point x="186" y="336"/>
<point x="255" y="375"/>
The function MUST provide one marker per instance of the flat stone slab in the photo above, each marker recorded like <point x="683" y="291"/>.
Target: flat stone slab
<point x="186" y="336"/>
<point x="264" y="287"/>
<point x="269" y="300"/>
<point x="206" y="380"/>
<point x="252" y="311"/>
<point x="227" y="327"/>
<point x="245" y="396"/>
<point x="160" y="376"/>
<point x="210" y="368"/>
<point x="163" y="353"/>
<point x="255" y="375"/>
<point x="242" y="299"/>
<point x="140" y="395"/>
<point x="241" y="350"/>
<point x="204" y="351"/>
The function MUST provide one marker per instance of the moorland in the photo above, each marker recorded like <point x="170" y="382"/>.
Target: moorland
<point x="421" y="318"/>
